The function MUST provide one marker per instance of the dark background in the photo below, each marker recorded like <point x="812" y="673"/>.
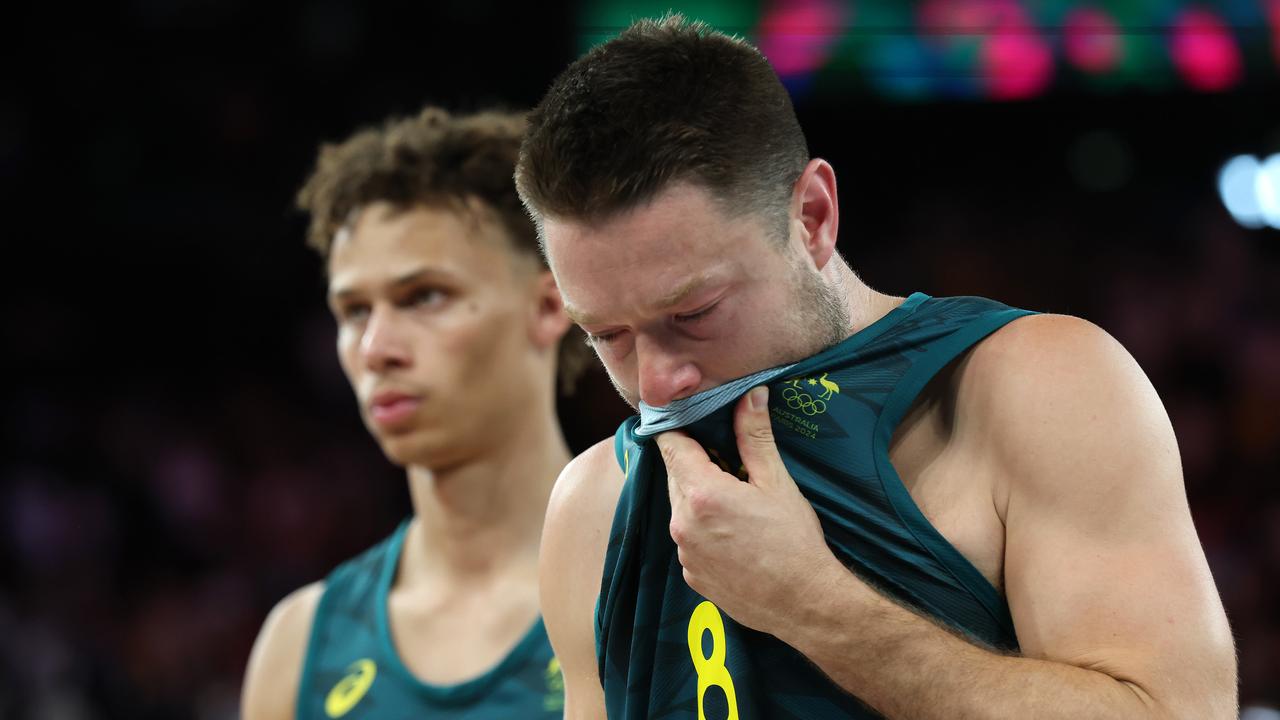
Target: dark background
<point x="181" y="450"/>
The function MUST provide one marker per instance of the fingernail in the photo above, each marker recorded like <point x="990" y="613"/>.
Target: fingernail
<point x="759" y="397"/>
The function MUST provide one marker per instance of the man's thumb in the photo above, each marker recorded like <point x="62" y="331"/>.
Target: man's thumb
<point x="754" y="431"/>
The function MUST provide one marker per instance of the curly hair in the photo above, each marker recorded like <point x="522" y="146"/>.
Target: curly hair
<point x="434" y="159"/>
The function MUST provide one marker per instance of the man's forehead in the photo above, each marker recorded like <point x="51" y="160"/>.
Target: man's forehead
<point x="667" y="259"/>
<point x="655" y="296"/>
<point x="461" y="221"/>
<point x="681" y="205"/>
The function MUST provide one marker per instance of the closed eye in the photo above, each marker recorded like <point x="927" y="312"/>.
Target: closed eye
<point x="606" y="338"/>
<point x="695" y="315"/>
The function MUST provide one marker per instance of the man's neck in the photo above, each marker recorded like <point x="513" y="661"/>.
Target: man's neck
<point x="865" y="305"/>
<point x="483" y="517"/>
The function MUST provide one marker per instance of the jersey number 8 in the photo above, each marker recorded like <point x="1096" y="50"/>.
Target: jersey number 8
<point x="711" y="670"/>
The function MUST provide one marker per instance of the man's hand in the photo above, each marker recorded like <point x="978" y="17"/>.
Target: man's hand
<point x="753" y="548"/>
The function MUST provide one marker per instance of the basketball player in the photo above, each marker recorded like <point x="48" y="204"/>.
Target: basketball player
<point x="913" y="508"/>
<point x="449" y="329"/>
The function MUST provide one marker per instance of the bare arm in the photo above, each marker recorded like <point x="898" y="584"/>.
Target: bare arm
<point x="1114" y="606"/>
<point x="275" y="665"/>
<point x="571" y="561"/>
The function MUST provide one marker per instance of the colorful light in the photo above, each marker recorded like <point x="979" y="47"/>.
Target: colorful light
<point x="1017" y="63"/>
<point x="1204" y="51"/>
<point x="901" y="68"/>
<point x="797" y="35"/>
<point x="1091" y="41"/>
<point x="1001" y="49"/>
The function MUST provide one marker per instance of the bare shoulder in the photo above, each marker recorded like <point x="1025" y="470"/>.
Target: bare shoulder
<point x="588" y="481"/>
<point x="275" y="665"/>
<point x="1050" y="351"/>
<point x="1055" y="389"/>
<point x="579" y="516"/>
<point x="571" y="563"/>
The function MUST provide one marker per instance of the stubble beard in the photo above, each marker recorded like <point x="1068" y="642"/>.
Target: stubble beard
<point x="821" y="308"/>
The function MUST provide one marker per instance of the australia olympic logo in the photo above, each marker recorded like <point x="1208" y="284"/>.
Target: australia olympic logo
<point x="809" y="395"/>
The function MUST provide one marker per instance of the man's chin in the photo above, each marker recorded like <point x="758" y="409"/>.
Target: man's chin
<point x="416" y="450"/>
<point x="404" y="449"/>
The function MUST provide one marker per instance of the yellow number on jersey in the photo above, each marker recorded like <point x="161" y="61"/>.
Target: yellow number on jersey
<point x="711" y="670"/>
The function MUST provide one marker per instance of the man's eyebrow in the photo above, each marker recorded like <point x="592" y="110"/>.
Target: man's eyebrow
<point x="578" y="316"/>
<point x="407" y="278"/>
<point x="416" y="275"/>
<point x="683" y="291"/>
<point x="671" y="299"/>
<point x="341" y="294"/>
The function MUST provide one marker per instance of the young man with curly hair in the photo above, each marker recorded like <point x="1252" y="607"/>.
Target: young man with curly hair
<point x="451" y="333"/>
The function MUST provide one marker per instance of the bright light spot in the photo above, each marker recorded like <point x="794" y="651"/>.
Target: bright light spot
<point x="1204" y="51"/>
<point x="1017" y="62"/>
<point x="1267" y="188"/>
<point x="1238" y="186"/>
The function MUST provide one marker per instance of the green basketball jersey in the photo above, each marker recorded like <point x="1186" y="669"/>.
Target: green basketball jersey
<point x="352" y="669"/>
<point x="666" y="652"/>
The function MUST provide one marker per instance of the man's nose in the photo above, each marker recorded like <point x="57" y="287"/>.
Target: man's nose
<point x="382" y="346"/>
<point x="664" y="376"/>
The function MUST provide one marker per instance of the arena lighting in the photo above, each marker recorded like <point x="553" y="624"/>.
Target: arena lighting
<point x="1267" y="187"/>
<point x="1250" y="190"/>
<point x="1237" y="184"/>
<point x="798" y="37"/>
<point x="1091" y="41"/>
<point x="1204" y="51"/>
<point x="985" y="49"/>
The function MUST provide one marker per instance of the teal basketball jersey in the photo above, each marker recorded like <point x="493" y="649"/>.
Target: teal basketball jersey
<point x="666" y="652"/>
<point x="352" y="669"/>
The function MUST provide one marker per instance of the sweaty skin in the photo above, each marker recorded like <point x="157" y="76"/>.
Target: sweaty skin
<point x="1043" y="455"/>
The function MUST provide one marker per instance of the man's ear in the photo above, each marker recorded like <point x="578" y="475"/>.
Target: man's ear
<point x="815" y="211"/>
<point x="547" y="321"/>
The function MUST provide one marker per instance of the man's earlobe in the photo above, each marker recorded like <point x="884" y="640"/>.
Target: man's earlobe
<point x="818" y="210"/>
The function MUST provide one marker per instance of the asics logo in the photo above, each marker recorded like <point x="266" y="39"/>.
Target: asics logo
<point x="350" y="689"/>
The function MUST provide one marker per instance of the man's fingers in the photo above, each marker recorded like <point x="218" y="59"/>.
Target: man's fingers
<point x="680" y="453"/>
<point x="755" y="437"/>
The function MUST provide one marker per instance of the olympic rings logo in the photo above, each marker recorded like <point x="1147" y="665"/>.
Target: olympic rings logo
<point x="798" y="399"/>
<point x="803" y="401"/>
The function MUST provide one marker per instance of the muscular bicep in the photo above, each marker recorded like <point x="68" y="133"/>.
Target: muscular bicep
<point x="571" y="561"/>
<point x="275" y="664"/>
<point x="1103" y="568"/>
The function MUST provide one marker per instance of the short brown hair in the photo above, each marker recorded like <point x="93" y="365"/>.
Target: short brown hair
<point x="666" y="100"/>
<point x="434" y="159"/>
